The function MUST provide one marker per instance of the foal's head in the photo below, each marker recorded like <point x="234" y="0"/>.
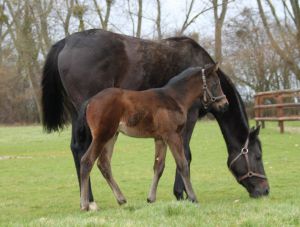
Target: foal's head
<point x="213" y="95"/>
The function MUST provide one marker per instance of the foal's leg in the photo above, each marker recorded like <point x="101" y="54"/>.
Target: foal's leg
<point x="159" y="165"/>
<point x="87" y="163"/>
<point x="186" y="136"/>
<point x="105" y="168"/>
<point x="79" y="145"/>
<point x="175" y="143"/>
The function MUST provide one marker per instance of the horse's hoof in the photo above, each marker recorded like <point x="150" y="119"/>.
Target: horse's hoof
<point x="178" y="195"/>
<point x="193" y="200"/>
<point x="149" y="200"/>
<point x="122" y="201"/>
<point x="93" y="206"/>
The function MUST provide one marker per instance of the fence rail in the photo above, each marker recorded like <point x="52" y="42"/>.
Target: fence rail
<point x="278" y="106"/>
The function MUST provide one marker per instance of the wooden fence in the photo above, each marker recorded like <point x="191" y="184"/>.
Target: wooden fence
<point x="278" y="106"/>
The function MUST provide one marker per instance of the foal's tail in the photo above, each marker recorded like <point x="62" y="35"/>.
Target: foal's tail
<point x="55" y="105"/>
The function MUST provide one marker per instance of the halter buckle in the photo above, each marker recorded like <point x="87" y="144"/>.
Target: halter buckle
<point x="244" y="150"/>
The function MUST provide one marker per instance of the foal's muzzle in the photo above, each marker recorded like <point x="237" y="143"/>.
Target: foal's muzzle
<point x="221" y="105"/>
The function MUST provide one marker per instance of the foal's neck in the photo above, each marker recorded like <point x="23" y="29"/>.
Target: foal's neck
<point x="186" y="91"/>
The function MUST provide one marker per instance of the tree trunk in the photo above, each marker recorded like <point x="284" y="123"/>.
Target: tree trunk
<point x="158" y="20"/>
<point x="219" y="20"/>
<point x="140" y="17"/>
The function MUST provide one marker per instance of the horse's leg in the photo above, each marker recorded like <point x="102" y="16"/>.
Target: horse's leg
<point x="105" y="168"/>
<point x="186" y="136"/>
<point x="159" y="165"/>
<point x="78" y="148"/>
<point x="176" y="146"/>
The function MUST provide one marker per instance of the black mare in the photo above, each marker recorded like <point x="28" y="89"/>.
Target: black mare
<point x="87" y="62"/>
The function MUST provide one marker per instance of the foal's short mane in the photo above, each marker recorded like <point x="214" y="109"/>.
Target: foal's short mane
<point x="184" y="75"/>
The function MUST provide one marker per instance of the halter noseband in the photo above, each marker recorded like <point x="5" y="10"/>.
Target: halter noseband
<point x="208" y="97"/>
<point x="250" y="173"/>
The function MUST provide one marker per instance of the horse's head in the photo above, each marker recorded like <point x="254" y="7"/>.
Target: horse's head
<point x="247" y="166"/>
<point x="212" y="92"/>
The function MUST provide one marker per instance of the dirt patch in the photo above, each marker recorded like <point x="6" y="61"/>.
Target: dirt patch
<point x="14" y="157"/>
<point x="292" y="129"/>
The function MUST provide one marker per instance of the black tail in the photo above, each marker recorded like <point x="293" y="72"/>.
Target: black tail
<point x="55" y="105"/>
<point x="83" y="132"/>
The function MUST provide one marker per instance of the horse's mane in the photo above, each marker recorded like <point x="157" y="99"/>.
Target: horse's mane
<point x="184" y="38"/>
<point x="226" y="82"/>
<point x="238" y="101"/>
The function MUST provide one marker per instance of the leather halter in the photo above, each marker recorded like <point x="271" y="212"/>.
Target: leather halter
<point x="250" y="173"/>
<point x="208" y="97"/>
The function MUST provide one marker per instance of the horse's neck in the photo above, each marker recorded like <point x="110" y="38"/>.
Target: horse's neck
<point x="234" y="130"/>
<point x="234" y="122"/>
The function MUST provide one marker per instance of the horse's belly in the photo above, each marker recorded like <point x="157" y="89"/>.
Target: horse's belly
<point x="133" y="131"/>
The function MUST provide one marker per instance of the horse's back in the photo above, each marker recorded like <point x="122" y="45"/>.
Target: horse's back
<point x="90" y="62"/>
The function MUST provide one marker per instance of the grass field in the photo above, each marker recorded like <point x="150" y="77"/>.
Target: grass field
<point x="38" y="185"/>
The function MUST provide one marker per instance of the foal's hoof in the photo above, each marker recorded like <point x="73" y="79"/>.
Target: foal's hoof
<point x="93" y="206"/>
<point x="149" y="200"/>
<point x="84" y="208"/>
<point x="122" y="201"/>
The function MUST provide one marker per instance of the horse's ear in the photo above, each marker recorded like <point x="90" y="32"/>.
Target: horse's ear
<point x="254" y="131"/>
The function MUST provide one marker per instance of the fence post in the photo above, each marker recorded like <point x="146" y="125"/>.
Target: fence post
<point x="279" y="100"/>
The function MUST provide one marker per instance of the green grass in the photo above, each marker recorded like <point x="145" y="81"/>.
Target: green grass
<point x="38" y="185"/>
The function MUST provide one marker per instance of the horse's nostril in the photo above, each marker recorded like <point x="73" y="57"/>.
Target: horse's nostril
<point x="267" y="191"/>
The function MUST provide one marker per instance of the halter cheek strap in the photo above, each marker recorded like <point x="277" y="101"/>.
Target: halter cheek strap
<point x="208" y="97"/>
<point x="250" y="173"/>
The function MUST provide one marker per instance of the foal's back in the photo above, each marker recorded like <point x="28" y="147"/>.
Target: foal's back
<point x="149" y="113"/>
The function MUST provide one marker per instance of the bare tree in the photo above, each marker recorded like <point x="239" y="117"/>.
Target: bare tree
<point x="219" y="21"/>
<point x="189" y="19"/>
<point x="103" y="18"/>
<point x="138" y="15"/>
<point x="282" y="36"/>
<point x="29" y="36"/>
<point x="249" y="57"/>
<point x="78" y="12"/>
<point x="41" y="13"/>
<point x="65" y="20"/>
<point x="3" y="32"/>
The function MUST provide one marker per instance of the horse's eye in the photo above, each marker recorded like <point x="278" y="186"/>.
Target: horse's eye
<point x="258" y="157"/>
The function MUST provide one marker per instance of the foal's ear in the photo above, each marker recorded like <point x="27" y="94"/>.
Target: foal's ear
<point x="254" y="132"/>
<point x="216" y="66"/>
<point x="211" y="68"/>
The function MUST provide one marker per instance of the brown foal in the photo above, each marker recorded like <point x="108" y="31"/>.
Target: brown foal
<point x="158" y="113"/>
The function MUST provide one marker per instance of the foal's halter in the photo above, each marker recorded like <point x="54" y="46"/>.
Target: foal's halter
<point x="250" y="173"/>
<point x="208" y="97"/>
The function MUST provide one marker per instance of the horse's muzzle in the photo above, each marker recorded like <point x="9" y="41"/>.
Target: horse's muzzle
<point x="259" y="192"/>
